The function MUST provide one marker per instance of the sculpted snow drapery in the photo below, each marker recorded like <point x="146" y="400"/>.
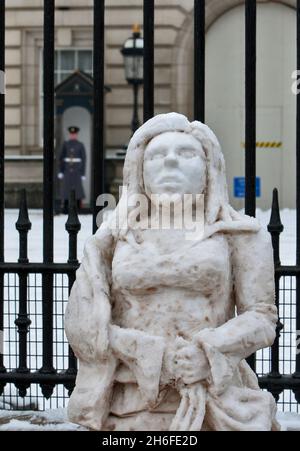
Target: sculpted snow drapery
<point x="121" y="354"/>
<point x="254" y="327"/>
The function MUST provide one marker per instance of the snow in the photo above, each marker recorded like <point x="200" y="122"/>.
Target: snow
<point x="288" y="236"/>
<point x="56" y="420"/>
<point x="289" y="421"/>
<point x="35" y="236"/>
<point x="50" y="420"/>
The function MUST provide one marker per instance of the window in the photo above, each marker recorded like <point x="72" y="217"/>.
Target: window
<point x="66" y="63"/>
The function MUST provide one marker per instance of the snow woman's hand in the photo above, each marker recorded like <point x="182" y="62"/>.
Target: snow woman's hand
<point x="190" y="362"/>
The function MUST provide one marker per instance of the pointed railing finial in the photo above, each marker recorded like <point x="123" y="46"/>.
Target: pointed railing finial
<point x="275" y="225"/>
<point x="275" y="228"/>
<point x="73" y="223"/>
<point x="73" y="226"/>
<point x="23" y="223"/>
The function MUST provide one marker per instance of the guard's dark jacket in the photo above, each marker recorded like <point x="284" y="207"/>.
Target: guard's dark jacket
<point x="72" y="165"/>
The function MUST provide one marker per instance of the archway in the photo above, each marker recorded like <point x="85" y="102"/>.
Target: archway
<point x="225" y="92"/>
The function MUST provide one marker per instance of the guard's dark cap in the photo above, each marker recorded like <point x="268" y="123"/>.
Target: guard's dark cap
<point x="74" y="129"/>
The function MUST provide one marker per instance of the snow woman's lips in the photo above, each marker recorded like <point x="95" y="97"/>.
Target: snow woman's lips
<point x="170" y="179"/>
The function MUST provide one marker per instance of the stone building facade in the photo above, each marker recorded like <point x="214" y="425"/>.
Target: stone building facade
<point x="74" y="19"/>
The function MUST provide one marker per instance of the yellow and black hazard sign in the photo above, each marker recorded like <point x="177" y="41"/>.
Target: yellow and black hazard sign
<point x="267" y="145"/>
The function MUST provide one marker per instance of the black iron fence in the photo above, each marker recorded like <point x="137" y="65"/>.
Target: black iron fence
<point x="37" y="368"/>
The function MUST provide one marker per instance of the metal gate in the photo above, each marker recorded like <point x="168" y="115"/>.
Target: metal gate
<point x="37" y="368"/>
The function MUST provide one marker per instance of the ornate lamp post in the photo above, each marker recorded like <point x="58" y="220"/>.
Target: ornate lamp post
<point x="133" y="52"/>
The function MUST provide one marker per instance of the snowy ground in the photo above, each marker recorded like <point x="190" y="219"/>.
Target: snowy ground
<point x="35" y="236"/>
<point x="288" y="237"/>
<point x="51" y="420"/>
<point x="56" y="420"/>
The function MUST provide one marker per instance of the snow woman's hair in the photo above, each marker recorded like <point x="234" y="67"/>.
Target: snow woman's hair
<point x="217" y="207"/>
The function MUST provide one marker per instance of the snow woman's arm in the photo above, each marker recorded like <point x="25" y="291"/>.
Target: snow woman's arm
<point x="255" y="324"/>
<point x="92" y="336"/>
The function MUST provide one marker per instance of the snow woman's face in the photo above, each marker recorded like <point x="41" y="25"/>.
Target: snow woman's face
<point x="174" y="163"/>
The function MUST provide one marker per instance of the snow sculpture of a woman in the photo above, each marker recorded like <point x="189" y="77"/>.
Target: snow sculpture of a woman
<point x="162" y="325"/>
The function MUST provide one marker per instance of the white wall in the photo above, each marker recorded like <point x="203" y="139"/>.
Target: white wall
<point x="276" y="105"/>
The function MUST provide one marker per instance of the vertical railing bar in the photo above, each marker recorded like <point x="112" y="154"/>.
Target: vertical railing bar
<point x="23" y="321"/>
<point x="199" y="60"/>
<point x="250" y="103"/>
<point x="98" y="127"/>
<point x="2" y="155"/>
<point x="250" y="118"/>
<point x="297" y="374"/>
<point x="73" y="227"/>
<point x="48" y="136"/>
<point x="48" y="223"/>
<point x="148" y="59"/>
<point x="275" y="228"/>
<point x="72" y="360"/>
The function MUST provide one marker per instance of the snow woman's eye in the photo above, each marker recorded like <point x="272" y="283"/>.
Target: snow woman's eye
<point x="157" y="155"/>
<point x="187" y="153"/>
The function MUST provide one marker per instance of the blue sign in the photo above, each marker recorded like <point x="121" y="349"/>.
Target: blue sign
<point x="240" y="187"/>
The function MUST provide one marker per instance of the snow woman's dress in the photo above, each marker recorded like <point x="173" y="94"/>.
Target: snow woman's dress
<point x="135" y="295"/>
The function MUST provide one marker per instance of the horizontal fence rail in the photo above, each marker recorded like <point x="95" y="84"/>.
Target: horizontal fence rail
<point x="38" y="369"/>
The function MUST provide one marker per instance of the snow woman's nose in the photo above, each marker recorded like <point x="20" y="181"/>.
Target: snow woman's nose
<point x="171" y="159"/>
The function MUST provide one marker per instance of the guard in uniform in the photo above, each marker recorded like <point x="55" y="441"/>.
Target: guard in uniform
<point x="72" y="168"/>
